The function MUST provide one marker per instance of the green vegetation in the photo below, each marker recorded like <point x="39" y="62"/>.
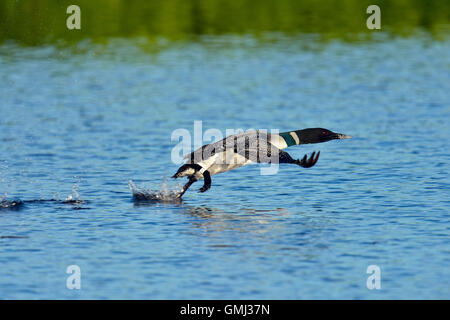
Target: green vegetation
<point x="35" y="22"/>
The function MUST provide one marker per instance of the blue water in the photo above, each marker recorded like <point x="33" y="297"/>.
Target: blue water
<point x="77" y="124"/>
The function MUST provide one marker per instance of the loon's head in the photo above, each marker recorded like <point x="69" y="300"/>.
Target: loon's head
<point x="317" y="135"/>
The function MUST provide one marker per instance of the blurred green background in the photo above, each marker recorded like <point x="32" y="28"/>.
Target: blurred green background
<point x="35" y="22"/>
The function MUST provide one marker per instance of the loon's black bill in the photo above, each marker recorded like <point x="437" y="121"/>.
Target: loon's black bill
<point x="342" y="136"/>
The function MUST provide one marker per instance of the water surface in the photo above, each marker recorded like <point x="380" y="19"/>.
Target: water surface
<point x="76" y="125"/>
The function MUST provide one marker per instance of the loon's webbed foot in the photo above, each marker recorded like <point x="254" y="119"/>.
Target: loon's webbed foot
<point x="204" y="188"/>
<point x="308" y="163"/>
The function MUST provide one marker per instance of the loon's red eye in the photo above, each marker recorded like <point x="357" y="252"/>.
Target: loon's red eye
<point x="324" y="133"/>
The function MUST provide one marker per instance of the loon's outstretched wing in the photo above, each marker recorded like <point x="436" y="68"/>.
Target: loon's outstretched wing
<point x="246" y="143"/>
<point x="256" y="146"/>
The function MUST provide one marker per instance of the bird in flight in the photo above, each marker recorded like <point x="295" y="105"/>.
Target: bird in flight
<point x="256" y="146"/>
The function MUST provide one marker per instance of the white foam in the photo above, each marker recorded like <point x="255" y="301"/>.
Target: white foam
<point x="164" y="194"/>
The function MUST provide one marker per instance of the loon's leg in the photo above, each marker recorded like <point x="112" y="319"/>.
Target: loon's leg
<point x="284" y="157"/>
<point x="207" y="184"/>
<point x="186" y="186"/>
<point x="195" y="168"/>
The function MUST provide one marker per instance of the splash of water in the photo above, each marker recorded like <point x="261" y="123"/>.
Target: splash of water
<point x="164" y="194"/>
<point x="9" y="204"/>
<point x="74" y="196"/>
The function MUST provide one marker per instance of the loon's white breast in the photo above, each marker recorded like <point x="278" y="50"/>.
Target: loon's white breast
<point x="224" y="161"/>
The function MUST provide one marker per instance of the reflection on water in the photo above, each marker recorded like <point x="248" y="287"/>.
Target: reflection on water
<point x="217" y="220"/>
<point x="261" y="234"/>
<point x="37" y="22"/>
<point x="244" y="220"/>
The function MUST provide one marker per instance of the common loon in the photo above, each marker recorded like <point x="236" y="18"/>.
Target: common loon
<point x="253" y="146"/>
